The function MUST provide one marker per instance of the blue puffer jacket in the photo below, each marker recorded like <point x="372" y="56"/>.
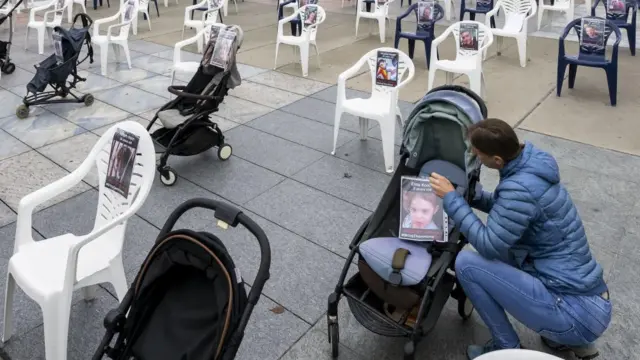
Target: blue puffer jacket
<point x="532" y="224"/>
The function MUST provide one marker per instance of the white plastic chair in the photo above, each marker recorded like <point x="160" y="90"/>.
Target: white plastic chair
<point x="306" y="38"/>
<point x="382" y="106"/>
<point x="48" y="271"/>
<point x="209" y="17"/>
<point x="520" y="354"/>
<point x="566" y="6"/>
<point x="225" y="7"/>
<point x="180" y="66"/>
<point x="467" y="62"/>
<point x="143" y="7"/>
<point x="166" y="3"/>
<point x="70" y="8"/>
<point x="380" y="13"/>
<point x="517" y="14"/>
<point x="125" y="14"/>
<point x="41" y="26"/>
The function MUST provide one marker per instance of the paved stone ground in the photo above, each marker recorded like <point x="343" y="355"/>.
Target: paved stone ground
<point x="283" y="175"/>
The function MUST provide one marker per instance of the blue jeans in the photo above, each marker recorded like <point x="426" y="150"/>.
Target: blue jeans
<point x="495" y="287"/>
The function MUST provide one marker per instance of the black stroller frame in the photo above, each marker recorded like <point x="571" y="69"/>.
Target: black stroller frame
<point x="6" y="66"/>
<point x="205" y="106"/>
<point x="441" y="282"/>
<point x="62" y="89"/>
<point x="116" y="319"/>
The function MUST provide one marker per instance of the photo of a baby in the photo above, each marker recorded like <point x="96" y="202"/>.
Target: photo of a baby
<point x="422" y="215"/>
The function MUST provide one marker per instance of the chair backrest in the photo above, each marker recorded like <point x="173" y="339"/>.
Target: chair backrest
<point x="128" y="11"/>
<point x="59" y="5"/>
<point x="483" y="38"/>
<point x="388" y="94"/>
<point x="214" y="7"/>
<point x="378" y="6"/>
<point x="516" y="12"/>
<point x="619" y="10"/>
<point x="125" y="171"/>
<point x="311" y="16"/>
<point x="436" y="15"/>
<point x="588" y="49"/>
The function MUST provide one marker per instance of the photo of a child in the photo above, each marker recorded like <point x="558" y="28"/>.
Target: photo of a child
<point x="469" y="36"/>
<point x="222" y="49"/>
<point x="617" y="7"/>
<point x="310" y="15"/>
<point x="425" y="12"/>
<point x="422" y="217"/>
<point x="387" y="68"/>
<point x="592" y="34"/>
<point x="121" y="161"/>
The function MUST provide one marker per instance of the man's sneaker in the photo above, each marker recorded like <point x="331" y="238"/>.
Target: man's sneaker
<point x="474" y="351"/>
<point x="586" y="352"/>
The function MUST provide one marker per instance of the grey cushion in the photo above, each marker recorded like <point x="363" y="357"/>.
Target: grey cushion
<point x="171" y="118"/>
<point x="378" y="253"/>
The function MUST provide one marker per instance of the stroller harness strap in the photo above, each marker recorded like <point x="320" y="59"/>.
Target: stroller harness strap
<point x="222" y="267"/>
<point x="397" y="264"/>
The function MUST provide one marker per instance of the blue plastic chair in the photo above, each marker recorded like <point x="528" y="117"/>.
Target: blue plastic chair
<point x="296" y="25"/>
<point x="591" y="57"/>
<point x="423" y="32"/>
<point x="473" y="11"/>
<point x="621" y="20"/>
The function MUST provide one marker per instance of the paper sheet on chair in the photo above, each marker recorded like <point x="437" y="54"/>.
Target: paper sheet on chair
<point x="121" y="161"/>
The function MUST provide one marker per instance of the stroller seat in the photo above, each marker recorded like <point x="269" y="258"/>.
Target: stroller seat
<point x="172" y="118"/>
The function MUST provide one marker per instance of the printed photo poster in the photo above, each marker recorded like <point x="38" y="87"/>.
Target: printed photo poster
<point x="59" y="4"/>
<point x="222" y="49"/>
<point x="425" y="12"/>
<point x="302" y="3"/>
<point x="469" y="36"/>
<point x="617" y="7"/>
<point x="387" y="68"/>
<point x="592" y="34"/>
<point x="214" y="4"/>
<point x="121" y="161"/>
<point x="422" y="217"/>
<point x="128" y="12"/>
<point x="483" y="5"/>
<point x="310" y="15"/>
<point x="57" y="46"/>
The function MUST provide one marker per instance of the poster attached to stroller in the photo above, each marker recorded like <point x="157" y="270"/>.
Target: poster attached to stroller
<point x="468" y="36"/>
<point x="425" y="12"/>
<point x="483" y="5"/>
<point x="57" y="47"/>
<point x="128" y="11"/>
<point x="310" y="15"/>
<point x="617" y="7"/>
<point x="592" y="33"/>
<point x="121" y="160"/>
<point x="222" y="48"/>
<point x="387" y="68"/>
<point x="422" y="217"/>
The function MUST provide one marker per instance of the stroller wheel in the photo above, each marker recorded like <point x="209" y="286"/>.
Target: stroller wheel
<point x="88" y="100"/>
<point x="22" y="112"/>
<point x="168" y="176"/>
<point x="465" y="308"/>
<point x="334" y="339"/>
<point x="224" y="152"/>
<point x="8" y="68"/>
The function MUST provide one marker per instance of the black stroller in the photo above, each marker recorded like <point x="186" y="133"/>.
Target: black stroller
<point x="186" y="126"/>
<point x="434" y="141"/>
<point x="56" y="69"/>
<point x="6" y="66"/>
<point x="187" y="301"/>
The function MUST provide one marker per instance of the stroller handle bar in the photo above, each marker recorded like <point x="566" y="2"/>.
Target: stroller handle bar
<point x="179" y="91"/>
<point x="231" y="216"/>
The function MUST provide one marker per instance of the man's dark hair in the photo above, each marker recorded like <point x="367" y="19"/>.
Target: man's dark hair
<point x="494" y="137"/>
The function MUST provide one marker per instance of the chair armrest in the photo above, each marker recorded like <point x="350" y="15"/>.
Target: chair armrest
<point x="289" y="18"/>
<point x="115" y="26"/>
<point x="410" y="9"/>
<point x="177" y="48"/>
<point x="33" y="11"/>
<point x="46" y="14"/>
<point x="412" y="73"/>
<point x="533" y="12"/>
<point x="97" y="23"/>
<point x="493" y="11"/>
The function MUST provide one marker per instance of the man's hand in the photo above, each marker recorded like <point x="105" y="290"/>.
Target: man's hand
<point x="440" y="184"/>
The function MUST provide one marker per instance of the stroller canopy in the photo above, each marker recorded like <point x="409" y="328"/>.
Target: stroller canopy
<point x="436" y="128"/>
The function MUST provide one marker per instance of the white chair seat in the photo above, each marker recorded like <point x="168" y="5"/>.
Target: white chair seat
<point x="367" y="108"/>
<point x="187" y="66"/>
<point x="51" y="255"/>
<point x="462" y="65"/>
<point x="102" y="39"/>
<point x="292" y="40"/>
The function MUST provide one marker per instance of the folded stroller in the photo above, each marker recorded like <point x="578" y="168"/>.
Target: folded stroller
<point x="56" y="69"/>
<point x="402" y="293"/>
<point x="188" y="301"/>
<point x="6" y="12"/>
<point x="187" y="128"/>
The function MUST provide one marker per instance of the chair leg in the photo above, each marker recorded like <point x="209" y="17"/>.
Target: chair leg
<point x="449" y="80"/>
<point x="562" y="67"/>
<point x="304" y="59"/>
<point x="388" y="133"/>
<point x="396" y="41"/>
<point x="104" y="53"/>
<point x="631" y="36"/>
<point x="357" y="23"/>
<point x="116" y="52"/>
<point x="412" y="47"/>
<point x="540" y="12"/>
<point x="427" y="50"/>
<point x="55" y="313"/>
<point x="364" y="128"/>
<point x="382" y="25"/>
<point x="573" y="69"/>
<point x="118" y="278"/>
<point x="432" y="78"/>
<point x="275" y="62"/>
<point x="499" y="43"/>
<point x="125" y="47"/>
<point x="475" y="82"/>
<point x="8" y="308"/>
<point x="149" y="21"/>
<point x="612" y="81"/>
<point x="522" y="50"/>
<point x="317" y="53"/>
<point x="336" y="128"/>
<point x="41" y="32"/>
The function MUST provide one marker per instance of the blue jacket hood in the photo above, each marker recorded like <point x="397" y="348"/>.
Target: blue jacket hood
<point x="535" y="162"/>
